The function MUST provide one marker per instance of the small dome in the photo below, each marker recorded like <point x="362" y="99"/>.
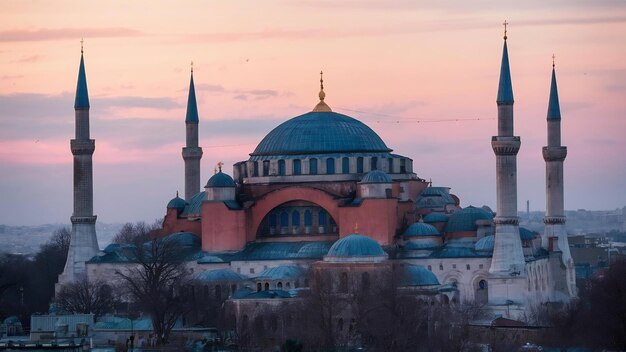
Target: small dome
<point x="485" y="244"/>
<point x="525" y="234"/>
<point x="376" y="176"/>
<point x="436" y="217"/>
<point x="220" y="179"/>
<point x="356" y="246"/>
<point x="281" y="272"/>
<point x="11" y="320"/>
<point x="465" y="219"/>
<point x="219" y="275"/>
<point x="176" y="203"/>
<point x="417" y="275"/>
<point x="421" y="229"/>
<point x="184" y="239"/>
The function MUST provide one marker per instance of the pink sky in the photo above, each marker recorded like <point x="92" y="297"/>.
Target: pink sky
<point x="256" y="65"/>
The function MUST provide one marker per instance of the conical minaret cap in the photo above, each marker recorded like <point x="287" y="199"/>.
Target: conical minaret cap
<point x="82" y="96"/>
<point x="505" y="87"/>
<point x="554" y="109"/>
<point x="192" y="106"/>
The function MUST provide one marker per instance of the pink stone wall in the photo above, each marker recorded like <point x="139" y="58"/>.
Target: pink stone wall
<point x="222" y="228"/>
<point x="376" y="218"/>
<point x="172" y="223"/>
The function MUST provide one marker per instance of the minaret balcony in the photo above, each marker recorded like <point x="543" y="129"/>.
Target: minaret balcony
<point x="554" y="220"/>
<point x="554" y="153"/>
<point x="192" y="153"/>
<point x="505" y="145"/>
<point x="82" y="146"/>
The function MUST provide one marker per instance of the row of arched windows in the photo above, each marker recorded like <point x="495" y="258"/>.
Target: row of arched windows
<point x="297" y="220"/>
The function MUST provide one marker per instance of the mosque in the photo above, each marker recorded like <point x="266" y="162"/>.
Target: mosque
<point x="322" y="192"/>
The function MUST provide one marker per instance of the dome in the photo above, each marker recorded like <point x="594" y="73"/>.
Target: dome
<point x="219" y="275"/>
<point x="356" y="246"/>
<point x="417" y="275"/>
<point x="282" y="272"/>
<point x="320" y="133"/>
<point x="376" y="176"/>
<point x="525" y="234"/>
<point x="183" y="239"/>
<point x="220" y="179"/>
<point x="435" y="217"/>
<point x="465" y="219"/>
<point x="176" y="203"/>
<point x="485" y="244"/>
<point x="422" y="243"/>
<point x="421" y="229"/>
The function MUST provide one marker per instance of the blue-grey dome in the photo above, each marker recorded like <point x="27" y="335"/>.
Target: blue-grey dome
<point x="436" y="217"/>
<point x="421" y="229"/>
<point x="183" y="239"/>
<point x="356" y="246"/>
<point x="422" y="243"/>
<point x="417" y="275"/>
<point x="220" y="179"/>
<point x="282" y="272"/>
<point x="525" y="234"/>
<point x="465" y="219"/>
<point x="485" y="244"/>
<point x="320" y="133"/>
<point x="376" y="176"/>
<point x="176" y="203"/>
<point x="219" y="275"/>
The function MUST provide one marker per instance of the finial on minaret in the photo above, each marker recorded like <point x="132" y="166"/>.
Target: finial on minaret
<point x="505" y="24"/>
<point x="81" y="45"/>
<point x="219" y="165"/>
<point x="176" y="193"/>
<point x="191" y="66"/>
<point x="553" y="57"/>
<point x="322" y="106"/>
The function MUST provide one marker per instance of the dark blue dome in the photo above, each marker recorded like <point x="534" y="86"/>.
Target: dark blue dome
<point x="435" y="217"/>
<point x="421" y="229"/>
<point x="176" y="203"/>
<point x="356" y="246"/>
<point x="465" y="219"/>
<point x="320" y="133"/>
<point x="417" y="275"/>
<point x="220" y="179"/>
<point x="376" y="176"/>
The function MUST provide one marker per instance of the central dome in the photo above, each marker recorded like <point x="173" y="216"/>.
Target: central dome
<point x="320" y="133"/>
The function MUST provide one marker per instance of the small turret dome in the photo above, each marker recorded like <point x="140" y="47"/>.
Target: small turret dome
<point x="220" y="179"/>
<point x="421" y="229"/>
<point x="525" y="234"/>
<point x="485" y="244"/>
<point x="417" y="275"/>
<point x="465" y="219"/>
<point x="356" y="246"/>
<point x="436" y="217"/>
<point x="176" y="203"/>
<point x="376" y="176"/>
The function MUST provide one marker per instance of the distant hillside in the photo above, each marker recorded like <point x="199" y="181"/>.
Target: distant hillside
<point x="28" y="239"/>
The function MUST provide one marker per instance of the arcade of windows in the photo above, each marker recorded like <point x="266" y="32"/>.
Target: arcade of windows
<point x="303" y="219"/>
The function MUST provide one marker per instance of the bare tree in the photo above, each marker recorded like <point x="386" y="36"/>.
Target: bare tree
<point x="156" y="284"/>
<point x="86" y="297"/>
<point x="138" y="232"/>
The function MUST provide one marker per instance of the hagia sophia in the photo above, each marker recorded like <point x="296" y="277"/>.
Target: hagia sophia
<point x="322" y="192"/>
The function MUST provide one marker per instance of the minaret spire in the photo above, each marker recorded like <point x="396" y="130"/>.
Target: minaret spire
<point x="554" y="238"/>
<point x="83" y="242"/>
<point x="192" y="153"/>
<point x="505" y="87"/>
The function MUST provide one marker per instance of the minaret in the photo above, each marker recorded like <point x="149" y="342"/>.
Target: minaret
<point x="83" y="243"/>
<point x="191" y="152"/>
<point x="508" y="258"/>
<point x="555" y="235"/>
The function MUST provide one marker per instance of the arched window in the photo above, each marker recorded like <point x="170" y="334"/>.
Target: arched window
<point x="281" y="167"/>
<point x="308" y="218"/>
<point x="267" y="286"/>
<point x="374" y="163"/>
<point x="345" y="165"/>
<point x="343" y="282"/>
<point x="255" y="169"/>
<point x="266" y="167"/>
<point x="365" y="281"/>
<point x="259" y="287"/>
<point x="359" y="165"/>
<point x="272" y="220"/>
<point x="313" y="166"/>
<point x="295" y="218"/>
<point x="402" y="166"/>
<point x="482" y="284"/>
<point x="390" y="165"/>
<point x="284" y="219"/>
<point x="288" y="285"/>
<point x="322" y="218"/>
<point x="330" y="166"/>
<point x="218" y="292"/>
<point x="297" y="167"/>
<point x="279" y="285"/>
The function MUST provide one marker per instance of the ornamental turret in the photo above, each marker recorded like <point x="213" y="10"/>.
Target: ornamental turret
<point x="83" y="242"/>
<point x="192" y="153"/>
<point x="508" y="257"/>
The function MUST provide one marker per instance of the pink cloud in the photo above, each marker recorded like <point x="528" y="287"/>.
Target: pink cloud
<point x="65" y="33"/>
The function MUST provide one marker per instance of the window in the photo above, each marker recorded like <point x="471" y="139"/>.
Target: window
<point x="267" y="286"/>
<point x="284" y="219"/>
<point x="430" y="268"/>
<point x="402" y="166"/>
<point x="238" y="270"/>
<point x="296" y="284"/>
<point x="297" y="167"/>
<point x="306" y="282"/>
<point x="343" y="283"/>
<point x="390" y="165"/>
<point x="359" y="165"/>
<point x="453" y="266"/>
<point x="266" y="167"/>
<point x="279" y="285"/>
<point x="482" y="284"/>
<point x="345" y="165"/>
<point x="281" y="167"/>
<point x="272" y="220"/>
<point x="295" y="218"/>
<point x="288" y="285"/>
<point x="440" y="266"/>
<point x="312" y="166"/>
<point x="233" y="288"/>
<point x="251" y="270"/>
<point x="322" y="218"/>
<point x="373" y="163"/>
<point x="255" y="169"/>
<point x="480" y="266"/>
<point x="467" y="267"/>
<point x="259" y="287"/>
<point x="330" y="166"/>
<point x="308" y="218"/>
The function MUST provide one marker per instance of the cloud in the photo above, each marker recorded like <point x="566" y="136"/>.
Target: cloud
<point x="241" y="97"/>
<point x="11" y="76"/>
<point x="32" y="58"/>
<point x="45" y="34"/>
<point x="208" y="87"/>
<point x="238" y="94"/>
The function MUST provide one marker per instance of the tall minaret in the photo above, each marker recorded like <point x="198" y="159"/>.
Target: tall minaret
<point x="83" y="243"/>
<point x="508" y="258"/>
<point x="555" y="235"/>
<point x="191" y="152"/>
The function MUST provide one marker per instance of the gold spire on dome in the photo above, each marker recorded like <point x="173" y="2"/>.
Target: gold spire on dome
<point x="505" y="24"/>
<point x="177" y="194"/>
<point x="219" y="165"/>
<point x="322" y="106"/>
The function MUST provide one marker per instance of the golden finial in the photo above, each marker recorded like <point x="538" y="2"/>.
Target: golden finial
<point x="219" y="165"/>
<point x="321" y="106"/>
<point x="191" y="66"/>
<point x="553" y="57"/>
<point x="505" y="24"/>
<point x="81" y="45"/>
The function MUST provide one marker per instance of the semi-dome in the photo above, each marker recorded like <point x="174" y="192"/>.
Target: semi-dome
<point x="176" y="203"/>
<point x="465" y="219"/>
<point x="376" y="176"/>
<point x="417" y="275"/>
<point x="485" y="244"/>
<point x="436" y="217"/>
<point x="356" y="246"/>
<point x="421" y="229"/>
<point x="183" y="239"/>
<point x="220" y="179"/>
<point x="320" y="133"/>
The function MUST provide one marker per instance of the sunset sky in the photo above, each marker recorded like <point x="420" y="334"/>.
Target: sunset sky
<point x="408" y="69"/>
